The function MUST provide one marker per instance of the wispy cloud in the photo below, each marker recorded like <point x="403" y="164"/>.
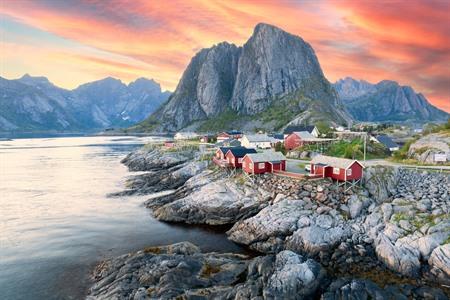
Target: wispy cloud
<point x="373" y="40"/>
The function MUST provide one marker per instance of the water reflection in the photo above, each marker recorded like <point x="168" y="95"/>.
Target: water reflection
<point x="56" y="221"/>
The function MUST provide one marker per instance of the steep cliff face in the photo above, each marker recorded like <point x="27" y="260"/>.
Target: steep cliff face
<point x="274" y="64"/>
<point x="273" y="79"/>
<point x="386" y="101"/>
<point x="204" y="89"/>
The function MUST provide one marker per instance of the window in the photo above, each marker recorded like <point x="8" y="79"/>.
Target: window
<point x="250" y="165"/>
<point x="349" y="172"/>
<point x="240" y="160"/>
<point x="244" y="164"/>
<point x="261" y="165"/>
<point x="336" y="171"/>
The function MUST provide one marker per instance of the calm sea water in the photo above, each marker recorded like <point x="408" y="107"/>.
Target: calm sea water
<point x="56" y="222"/>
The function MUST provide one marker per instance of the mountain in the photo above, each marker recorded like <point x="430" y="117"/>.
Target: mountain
<point x="386" y="101"/>
<point x="273" y="79"/>
<point x="35" y="104"/>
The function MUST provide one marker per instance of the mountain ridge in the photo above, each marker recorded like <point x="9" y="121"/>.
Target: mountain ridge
<point x="386" y="101"/>
<point x="33" y="103"/>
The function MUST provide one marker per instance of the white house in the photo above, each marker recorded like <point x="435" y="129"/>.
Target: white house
<point x="185" y="135"/>
<point x="260" y="141"/>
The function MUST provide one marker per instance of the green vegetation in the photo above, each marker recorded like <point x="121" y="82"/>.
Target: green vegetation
<point x="402" y="153"/>
<point x="323" y="128"/>
<point x="355" y="149"/>
<point x="279" y="147"/>
<point x="400" y="216"/>
<point x="280" y="112"/>
<point x="434" y="128"/>
<point x="224" y="121"/>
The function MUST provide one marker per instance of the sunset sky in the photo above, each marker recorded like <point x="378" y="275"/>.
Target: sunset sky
<point x="73" y="42"/>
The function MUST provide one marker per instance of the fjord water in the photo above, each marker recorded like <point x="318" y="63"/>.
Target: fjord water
<point x="56" y="221"/>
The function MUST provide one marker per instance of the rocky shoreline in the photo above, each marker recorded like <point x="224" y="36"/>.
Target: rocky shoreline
<point x="388" y="239"/>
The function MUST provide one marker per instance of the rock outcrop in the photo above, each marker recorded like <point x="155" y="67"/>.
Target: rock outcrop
<point x="182" y="271"/>
<point x="273" y="70"/>
<point x="425" y="148"/>
<point x="386" y="101"/>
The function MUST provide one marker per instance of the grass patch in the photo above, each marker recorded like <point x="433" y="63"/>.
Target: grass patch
<point x="208" y="270"/>
<point x="153" y="250"/>
<point x="400" y="216"/>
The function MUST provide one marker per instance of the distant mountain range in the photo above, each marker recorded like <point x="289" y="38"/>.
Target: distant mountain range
<point x="35" y="104"/>
<point x="274" y="79"/>
<point x="386" y="101"/>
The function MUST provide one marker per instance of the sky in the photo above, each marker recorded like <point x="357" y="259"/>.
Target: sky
<point x="75" y="41"/>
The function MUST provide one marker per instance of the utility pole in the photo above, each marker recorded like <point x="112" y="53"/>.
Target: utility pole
<point x="365" y="138"/>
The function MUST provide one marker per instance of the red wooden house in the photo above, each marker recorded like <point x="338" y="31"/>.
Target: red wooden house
<point x="221" y="152"/>
<point x="298" y="139"/>
<point x="260" y="163"/>
<point x="236" y="154"/>
<point x="233" y="134"/>
<point x="169" y="144"/>
<point x="341" y="169"/>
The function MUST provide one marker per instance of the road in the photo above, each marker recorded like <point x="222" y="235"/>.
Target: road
<point x="378" y="162"/>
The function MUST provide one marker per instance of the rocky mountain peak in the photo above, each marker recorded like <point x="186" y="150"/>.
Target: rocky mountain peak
<point x="273" y="68"/>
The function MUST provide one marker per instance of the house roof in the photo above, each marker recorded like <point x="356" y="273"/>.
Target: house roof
<point x="258" y="138"/>
<point x="278" y="136"/>
<point x="234" y="132"/>
<point x="292" y="128"/>
<point x="304" y="135"/>
<point x="387" y="141"/>
<point x="335" y="162"/>
<point x="267" y="156"/>
<point x="241" y="151"/>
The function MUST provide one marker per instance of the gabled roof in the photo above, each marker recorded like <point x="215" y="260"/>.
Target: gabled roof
<point x="304" y="135"/>
<point x="387" y="141"/>
<point x="335" y="162"/>
<point x="268" y="156"/>
<point x="241" y="151"/>
<point x="225" y="149"/>
<point x="258" y="138"/>
<point x="292" y="128"/>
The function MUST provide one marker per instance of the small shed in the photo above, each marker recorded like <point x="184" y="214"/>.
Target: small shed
<point x="340" y="169"/>
<point x="235" y="155"/>
<point x="260" y="163"/>
<point x="298" y="139"/>
<point x="169" y="144"/>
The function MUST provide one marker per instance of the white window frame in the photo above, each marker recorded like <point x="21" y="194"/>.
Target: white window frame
<point x="240" y="160"/>
<point x="336" y="171"/>
<point x="261" y="165"/>
<point x="349" y="172"/>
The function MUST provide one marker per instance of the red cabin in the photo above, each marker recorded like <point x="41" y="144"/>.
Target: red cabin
<point x="341" y="169"/>
<point x="233" y="134"/>
<point x="235" y="155"/>
<point x="298" y="139"/>
<point x="260" y="163"/>
<point x="169" y="144"/>
<point x="221" y="152"/>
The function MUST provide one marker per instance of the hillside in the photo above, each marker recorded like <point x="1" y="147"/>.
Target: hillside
<point x="273" y="79"/>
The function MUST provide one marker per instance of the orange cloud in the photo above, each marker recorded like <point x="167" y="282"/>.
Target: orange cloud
<point x="372" y="40"/>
